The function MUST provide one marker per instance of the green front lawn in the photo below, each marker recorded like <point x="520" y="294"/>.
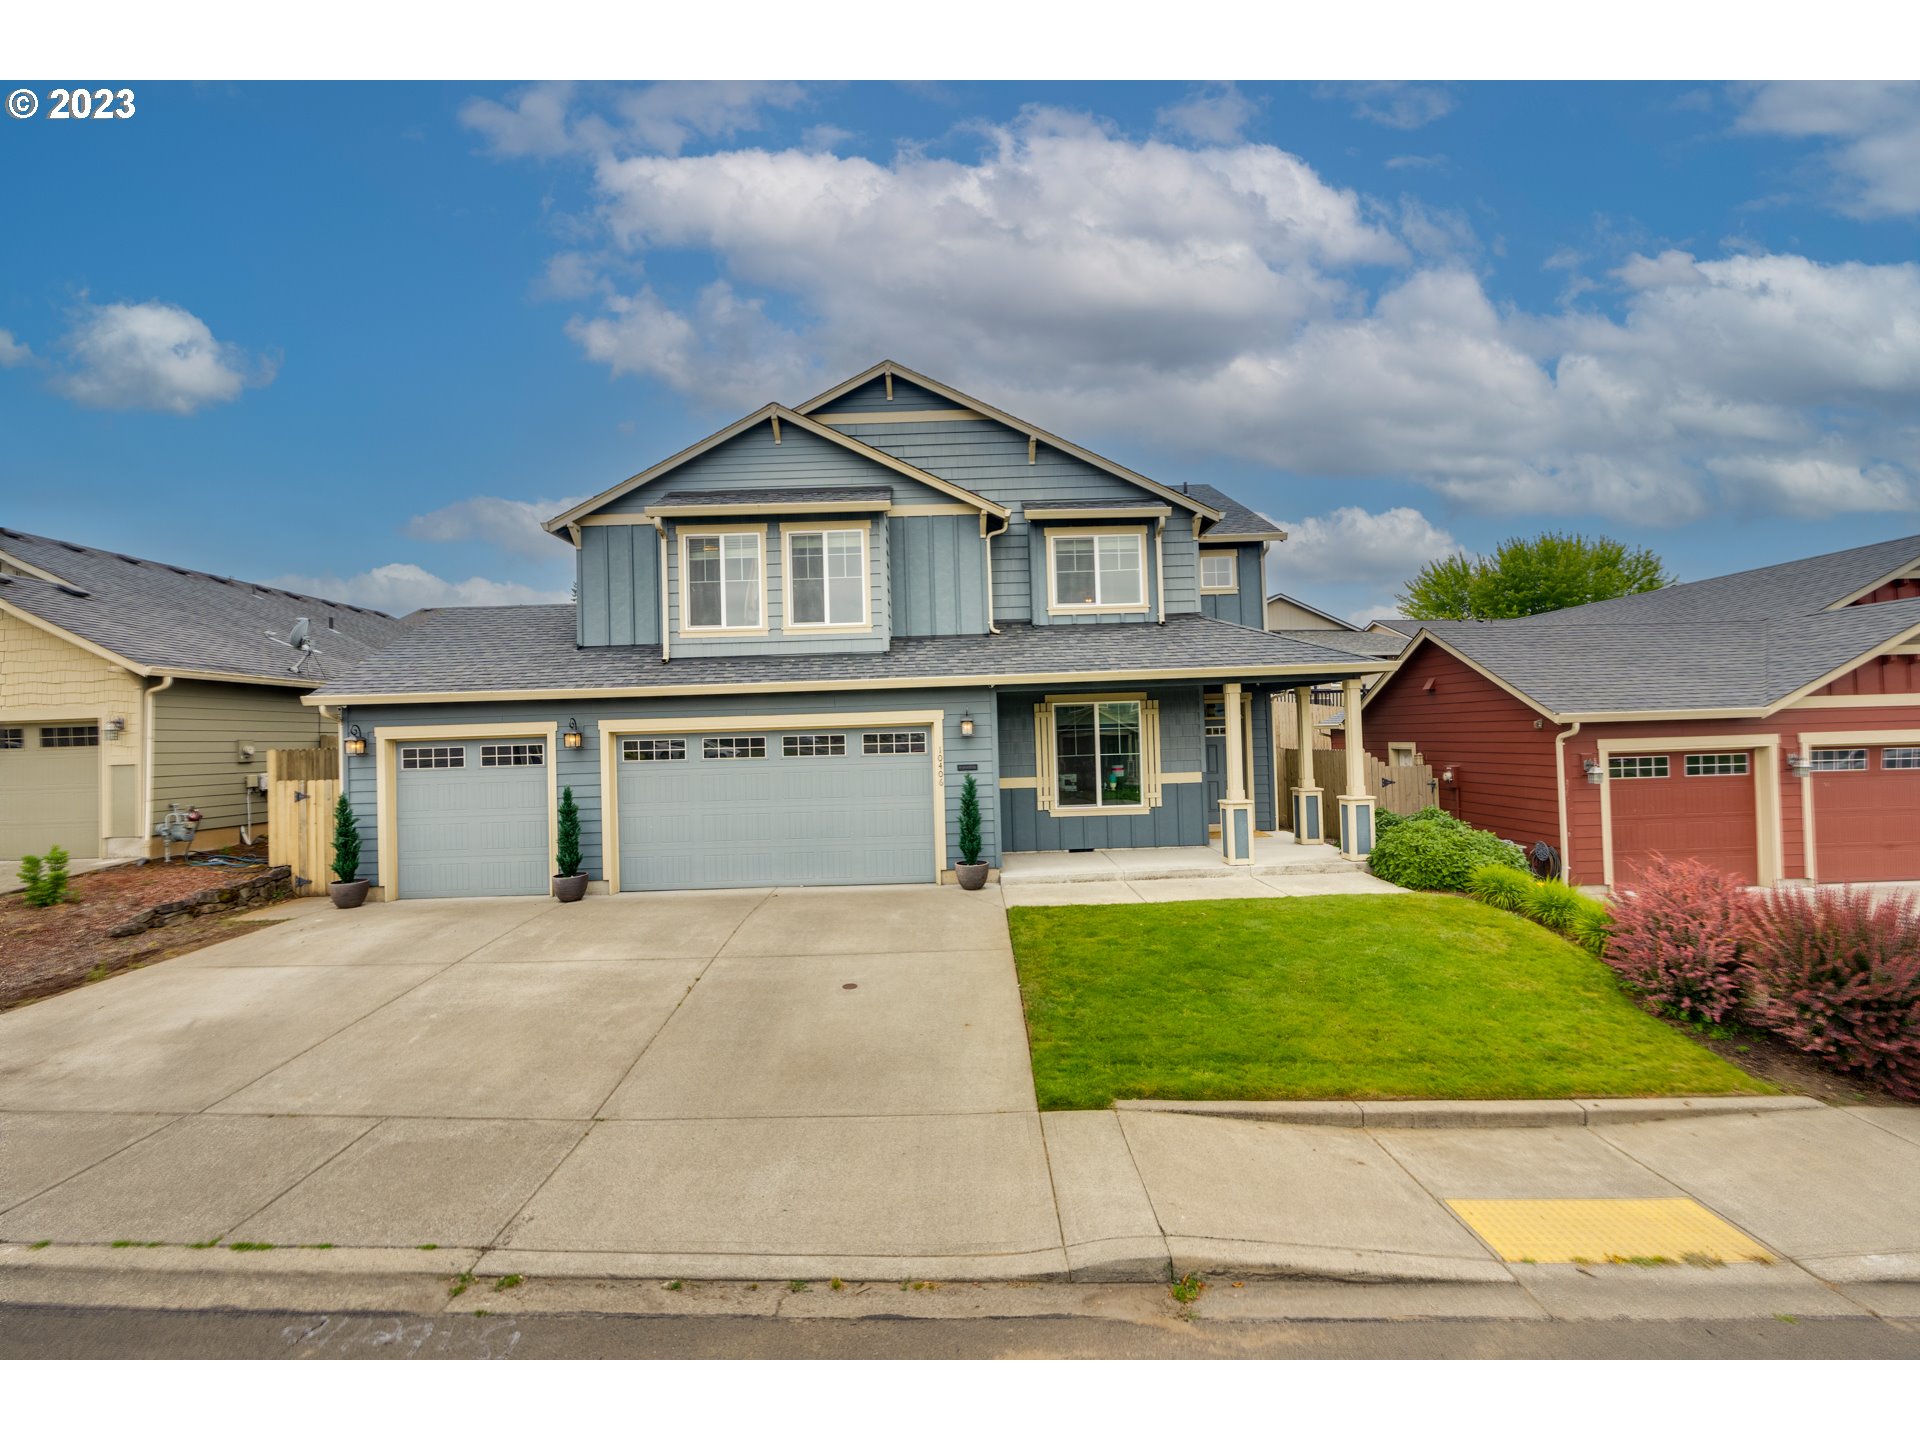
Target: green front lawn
<point x="1341" y="996"/>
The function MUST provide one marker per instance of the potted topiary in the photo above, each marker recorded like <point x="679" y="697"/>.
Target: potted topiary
<point x="571" y="883"/>
<point x="348" y="890"/>
<point x="971" y="871"/>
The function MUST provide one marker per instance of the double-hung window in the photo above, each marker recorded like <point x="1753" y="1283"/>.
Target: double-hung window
<point x="722" y="581"/>
<point x="1098" y="572"/>
<point x="826" y="577"/>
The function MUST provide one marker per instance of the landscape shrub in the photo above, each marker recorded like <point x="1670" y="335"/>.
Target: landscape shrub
<point x="45" y="878"/>
<point x="566" y="855"/>
<point x="1836" y="974"/>
<point x="1499" y="886"/>
<point x="969" y="823"/>
<point x="346" y="841"/>
<point x="1591" y="926"/>
<point x="1680" y="938"/>
<point x="1552" y="903"/>
<point x="1434" y="851"/>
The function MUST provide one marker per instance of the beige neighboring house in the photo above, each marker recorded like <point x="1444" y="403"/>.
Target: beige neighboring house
<point x="128" y="684"/>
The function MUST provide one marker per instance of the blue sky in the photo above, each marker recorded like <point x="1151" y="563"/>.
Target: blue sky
<point x="362" y="337"/>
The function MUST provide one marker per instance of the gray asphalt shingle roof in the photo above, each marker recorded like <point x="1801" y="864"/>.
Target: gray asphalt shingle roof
<point x="1354" y="642"/>
<point x="166" y="617"/>
<point x="531" y="648"/>
<point x="1235" y="518"/>
<point x="1736" y="642"/>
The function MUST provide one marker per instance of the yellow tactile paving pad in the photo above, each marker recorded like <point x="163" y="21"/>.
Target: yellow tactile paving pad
<point x="1675" y="1230"/>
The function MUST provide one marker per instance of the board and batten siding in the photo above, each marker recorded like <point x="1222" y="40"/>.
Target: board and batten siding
<point x="198" y="728"/>
<point x="939" y="574"/>
<point x="619" y="570"/>
<point x="1246" y="605"/>
<point x="581" y="768"/>
<point x="1502" y="765"/>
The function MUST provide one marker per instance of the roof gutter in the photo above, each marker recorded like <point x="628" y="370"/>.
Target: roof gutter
<point x="146" y="744"/>
<point x="987" y="535"/>
<point x="1560" y="790"/>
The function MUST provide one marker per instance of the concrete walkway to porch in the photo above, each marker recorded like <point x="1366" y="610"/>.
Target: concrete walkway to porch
<point x="1184" y="872"/>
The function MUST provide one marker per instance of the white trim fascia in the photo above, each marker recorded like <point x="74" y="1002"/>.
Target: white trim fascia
<point x="1906" y="570"/>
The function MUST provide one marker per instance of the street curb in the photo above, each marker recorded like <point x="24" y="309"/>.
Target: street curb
<point x="1473" y="1114"/>
<point x="1255" y="1259"/>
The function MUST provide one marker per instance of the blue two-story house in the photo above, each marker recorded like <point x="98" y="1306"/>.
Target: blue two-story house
<point x="793" y="642"/>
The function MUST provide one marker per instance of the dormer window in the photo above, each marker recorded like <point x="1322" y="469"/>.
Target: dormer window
<point x="723" y="578"/>
<point x="1097" y="570"/>
<point x="826" y="578"/>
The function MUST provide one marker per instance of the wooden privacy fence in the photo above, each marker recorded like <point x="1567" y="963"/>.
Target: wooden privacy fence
<point x="1402" y="789"/>
<point x="302" y="786"/>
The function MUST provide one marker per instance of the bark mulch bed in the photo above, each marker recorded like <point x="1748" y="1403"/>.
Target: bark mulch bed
<point x="1771" y="1059"/>
<point x="46" y="951"/>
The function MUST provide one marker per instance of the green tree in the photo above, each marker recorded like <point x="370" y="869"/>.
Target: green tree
<point x="567" y="855"/>
<point x="969" y="823"/>
<point x="346" y="841"/>
<point x="1550" y="571"/>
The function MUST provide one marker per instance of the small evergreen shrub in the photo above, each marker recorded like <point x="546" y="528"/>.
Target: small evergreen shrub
<point x="566" y="854"/>
<point x="346" y="841"/>
<point x="1500" y="887"/>
<point x="1680" y="937"/>
<point x="1836" y="974"/>
<point x="1434" y="851"/>
<point x="969" y="823"/>
<point x="1553" y="904"/>
<point x="45" y="878"/>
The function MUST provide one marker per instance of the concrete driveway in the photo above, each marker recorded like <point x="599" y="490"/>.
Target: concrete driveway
<point x="832" y="1081"/>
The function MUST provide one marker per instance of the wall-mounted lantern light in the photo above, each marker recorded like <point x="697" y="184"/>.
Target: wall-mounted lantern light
<point x="116" y="727"/>
<point x="573" y="739"/>
<point x="355" y="743"/>
<point x="1800" y="766"/>
<point x="966" y="726"/>
<point x="1595" y="772"/>
<point x="1446" y="776"/>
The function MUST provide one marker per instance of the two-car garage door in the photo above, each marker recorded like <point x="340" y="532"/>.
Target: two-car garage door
<point x="782" y="807"/>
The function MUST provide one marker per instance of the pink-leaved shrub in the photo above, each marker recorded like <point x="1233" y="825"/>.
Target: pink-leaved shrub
<point x="1679" y="939"/>
<point x="1836" y="973"/>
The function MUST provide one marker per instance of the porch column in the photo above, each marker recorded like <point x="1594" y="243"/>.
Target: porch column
<point x="1308" y="827"/>
<point x="1236" y="809"/>
<point x="1356" y="806"/>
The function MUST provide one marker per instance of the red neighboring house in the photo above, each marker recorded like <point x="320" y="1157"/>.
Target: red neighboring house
<point x="1767" y="723"/>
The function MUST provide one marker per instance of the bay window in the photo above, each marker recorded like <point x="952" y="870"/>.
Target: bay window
<point x="722" y="580"/>
<point x="826" y="577"/>
<point x="1100" y="571"/>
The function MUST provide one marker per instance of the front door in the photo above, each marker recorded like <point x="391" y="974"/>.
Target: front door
<point x="1214" y="760"/>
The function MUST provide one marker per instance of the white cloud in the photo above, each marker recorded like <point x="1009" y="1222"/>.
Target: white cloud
<point x="1395" y="103"/>
<point x="400" y="588"/>
<point x="511" y="525"/>
<point x="1226" y="298"/>
<point x="824" y="137"/>
<point x="13" y="352"/>
<point x="1415" y="162"/>
<point x="1813" y="486"/>
<point x="152" y="356"/>
<point x="665" y="117"/>
<point x="1215" y="115"/>
<point x="1873" y="134"/>
<point x="1356" y="545"/>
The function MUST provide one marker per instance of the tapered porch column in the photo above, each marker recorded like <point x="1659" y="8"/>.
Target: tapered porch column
<point x="1356" y="806"/>
<point x="1309" y="828"/>
<point x="1236" y="806"/>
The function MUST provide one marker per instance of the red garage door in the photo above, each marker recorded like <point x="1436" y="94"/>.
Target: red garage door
<point x="1866" y="813"/>
<point x="1694" y="806"/>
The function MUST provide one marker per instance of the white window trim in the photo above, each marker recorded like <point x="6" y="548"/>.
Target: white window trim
<point x="1233" y="559"/>
<point x="820" y="627"/>
<point x="1084" y="532"/>
<point x="1046" y="767"/>
<point x="687" y="535"/>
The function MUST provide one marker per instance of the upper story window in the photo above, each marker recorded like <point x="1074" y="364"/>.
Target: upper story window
<point x="1219" y="572"/>
<point x="723" y="580"/>
<point x="827" y="578"/>
<point x="1102" y="571"/>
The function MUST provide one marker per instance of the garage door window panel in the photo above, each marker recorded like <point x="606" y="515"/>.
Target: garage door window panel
<point x="1900" y="757"/>
<point x="516" y="755"/>
<point x="723" y="581"/>
<point x="827" y="578"/>
<point x="1728" y="764"/>
<point x="645" y="750"/>
<point x="69" y="737"/>
<point x="1831" y="760"/>
<point x="804" y="747"/>
<point x="1638" y="767"/>
<point x="13" y="738"/>
<point x="433" y="757"/>
<point x="734" y="747"/>
<point x="894" y="742"/>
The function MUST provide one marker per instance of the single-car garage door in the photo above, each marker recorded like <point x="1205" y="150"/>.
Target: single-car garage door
<point x="472" y="818"/>
<point x="793" y="807"/>
<point x="1692" y="806"/>
<point x="50" y="789"/>
<point x="1866" y="813"/>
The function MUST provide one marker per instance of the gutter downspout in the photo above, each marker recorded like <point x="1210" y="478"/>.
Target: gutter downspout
<point x="987" y="535"/>
<point x="660" y="529"/>
<point x="1160" y="569"/>
<point x="146" y="769"/>
<point x="1560" y="791"/>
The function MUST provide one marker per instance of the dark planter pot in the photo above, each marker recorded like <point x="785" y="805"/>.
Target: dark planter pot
<point x="569" y="888"/>
<point x="348" y="894"/>
<point x="972" y="877"/>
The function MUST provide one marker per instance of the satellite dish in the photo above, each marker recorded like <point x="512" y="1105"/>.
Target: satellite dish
<point x="296" y="639"/>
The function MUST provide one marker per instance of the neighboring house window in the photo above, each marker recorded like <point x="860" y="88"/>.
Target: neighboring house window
<point x="1735" y="764"/>
<point x="894" y="742"/>
<point x="1900" y="757"/>
<point x="1401" y="752"/>
<point x="68" y="737"/>
<point x="433" y="757"/>
<point x="1098" y="572"/>
<point x="1219" y="572"/>
<point x="653" y="749"/>
<point x="802" y="747"/>
<point x="499" y="757"/>
<point x="826" y="577"/>
<point x="1839" y="760"/>
<point x="13" y="737"/>
<point x="1215" y="712"/>
<point x="734" y="747"/>
<point x="722" y="581"/>
<point x="1637" y="767"/>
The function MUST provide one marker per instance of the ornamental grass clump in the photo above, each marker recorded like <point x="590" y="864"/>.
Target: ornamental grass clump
<point x="1553" y="904"/>
<point x="1500" y="887"/>
<point x="1835" y="973"/>
<point x="1591" y="926"/>
<point x="1433" y="851"/>
<point x="1680" y="938"/>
